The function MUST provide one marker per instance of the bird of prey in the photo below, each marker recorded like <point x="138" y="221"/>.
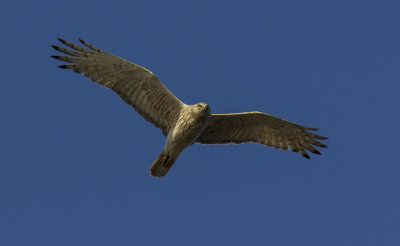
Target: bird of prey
<point x="182" y="124"/>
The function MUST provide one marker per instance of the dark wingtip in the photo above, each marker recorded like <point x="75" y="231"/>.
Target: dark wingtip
<point x="63" y="66"/>
<point x="81" y="40"/>
<point x="316" y="152"/>
<point x="55" y="47"/>
<point x="323" y="146"/>
<point x="61" y="40"/>
<point x="56" y="57"/>
<point x="306" y="156"/>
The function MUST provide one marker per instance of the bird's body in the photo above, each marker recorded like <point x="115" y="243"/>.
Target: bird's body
<point x="189" y="125"/>
<point x="182" y="124"/>
<point x="191" y="122"/>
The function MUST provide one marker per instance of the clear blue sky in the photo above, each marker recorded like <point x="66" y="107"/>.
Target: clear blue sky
<point x="74" y="158"/>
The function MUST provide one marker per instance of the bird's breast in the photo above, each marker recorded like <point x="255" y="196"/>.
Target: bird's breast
<point x="184" y="133"/>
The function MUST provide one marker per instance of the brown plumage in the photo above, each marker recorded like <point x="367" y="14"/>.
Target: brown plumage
<point x="182" y="124"/>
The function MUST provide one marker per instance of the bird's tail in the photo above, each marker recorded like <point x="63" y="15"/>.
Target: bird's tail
<point x="161" y="165"/>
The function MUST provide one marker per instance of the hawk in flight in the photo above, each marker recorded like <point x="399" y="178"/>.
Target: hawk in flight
<point x="182" y="124"/>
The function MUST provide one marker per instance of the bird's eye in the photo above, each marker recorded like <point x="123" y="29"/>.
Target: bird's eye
<point x="199" y="106"/>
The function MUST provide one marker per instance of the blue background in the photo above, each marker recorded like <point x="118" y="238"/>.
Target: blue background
<point x="74" y="158"/>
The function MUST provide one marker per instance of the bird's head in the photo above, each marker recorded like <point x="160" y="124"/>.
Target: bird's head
<point x="203" y="107"/>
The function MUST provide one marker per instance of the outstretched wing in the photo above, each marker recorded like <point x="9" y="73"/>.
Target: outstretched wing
<point x="136" y="85"/>
<point x="260" y="128"/>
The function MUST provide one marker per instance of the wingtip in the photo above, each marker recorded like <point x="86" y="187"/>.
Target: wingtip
<point x="316" y="152"/>
<point x="323" y="146"/>
<point x="61" y="40"/>
<point x="85" y="43"/>
<point x="58" y="48"/>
